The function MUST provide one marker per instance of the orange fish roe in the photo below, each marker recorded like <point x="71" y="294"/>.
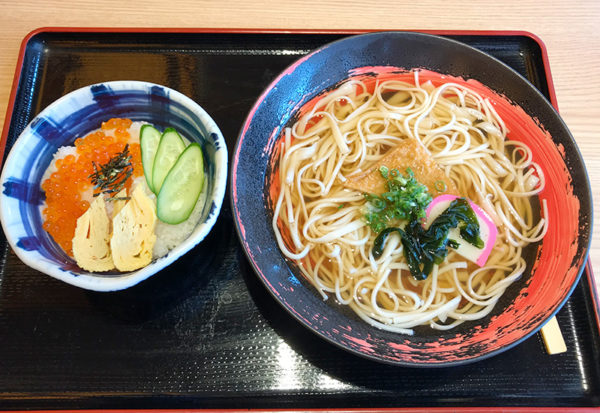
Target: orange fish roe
<point x="64" y="188"/>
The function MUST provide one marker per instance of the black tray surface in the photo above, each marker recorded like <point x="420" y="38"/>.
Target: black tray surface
<point x="205" y="333"/>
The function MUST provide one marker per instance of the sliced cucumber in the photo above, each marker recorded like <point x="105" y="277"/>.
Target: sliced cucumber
<point x="170" y="147"/>
<point x="181" y="187"/>
<point x="149" y="139"/>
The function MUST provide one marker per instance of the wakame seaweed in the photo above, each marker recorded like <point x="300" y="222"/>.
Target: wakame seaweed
<point x="425" y="247"/>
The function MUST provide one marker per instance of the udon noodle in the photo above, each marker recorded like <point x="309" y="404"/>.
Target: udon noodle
<point x="319" y="223"/>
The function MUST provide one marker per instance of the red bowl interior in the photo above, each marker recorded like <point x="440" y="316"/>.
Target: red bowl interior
<point x="553" y="271"/>
<point x="554" y="264"/>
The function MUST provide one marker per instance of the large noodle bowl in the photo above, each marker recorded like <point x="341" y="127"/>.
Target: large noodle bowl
<point x="320" y="223"/>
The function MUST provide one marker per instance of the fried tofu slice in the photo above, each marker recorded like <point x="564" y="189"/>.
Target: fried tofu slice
<point x="91" y="243"/>
<point x="133" y="232"/>
<point x="409" y="154"/>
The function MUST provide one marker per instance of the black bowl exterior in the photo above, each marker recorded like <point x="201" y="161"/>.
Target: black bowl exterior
<point x="251" y="179"/>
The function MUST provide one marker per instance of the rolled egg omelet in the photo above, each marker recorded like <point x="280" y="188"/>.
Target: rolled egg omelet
<point x="133" y="235"/>
<point x="91" y="247"/>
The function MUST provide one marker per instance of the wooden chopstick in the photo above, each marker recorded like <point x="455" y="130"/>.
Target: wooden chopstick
<point x="553" y="338"/>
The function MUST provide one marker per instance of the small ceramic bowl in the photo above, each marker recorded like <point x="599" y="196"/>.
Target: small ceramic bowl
<point x="72" y="116"/>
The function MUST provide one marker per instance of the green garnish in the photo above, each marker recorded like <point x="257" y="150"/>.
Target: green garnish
<point x="182" y="186"/>
<point x="405" y="197"/>
<point x="383" y="170"/>
<point x="169" y="148"/>
<point x="111" y="177"/>
<point x="440" y="186"/>
<point x="149" y="141"/>
<point x="425" y="247"/>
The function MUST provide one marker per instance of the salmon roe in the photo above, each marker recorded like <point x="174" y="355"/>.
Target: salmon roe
<point x="65" y="189"/>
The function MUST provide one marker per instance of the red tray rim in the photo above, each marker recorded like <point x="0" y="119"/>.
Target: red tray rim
<point x="141" y="30"/>
<point x="351" y="410"/>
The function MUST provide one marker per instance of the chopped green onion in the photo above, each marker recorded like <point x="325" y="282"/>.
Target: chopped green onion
<point x="383" y="170"/>
<point x="440" y="186"/>
<point x="405" y="196"/>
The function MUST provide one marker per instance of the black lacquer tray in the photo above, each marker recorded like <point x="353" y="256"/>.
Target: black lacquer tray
<point x="205" y="333"/>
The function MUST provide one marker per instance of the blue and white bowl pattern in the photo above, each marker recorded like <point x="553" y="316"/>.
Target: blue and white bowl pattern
<point x="72" y="116"/>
